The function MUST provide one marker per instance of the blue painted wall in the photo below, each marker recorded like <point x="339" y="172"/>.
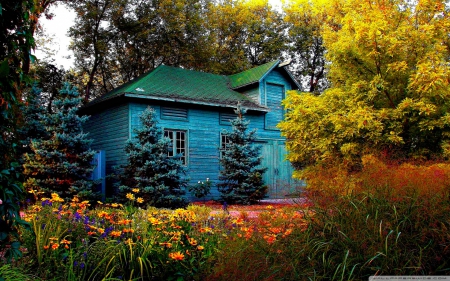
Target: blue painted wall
<point x="111" y="127"/>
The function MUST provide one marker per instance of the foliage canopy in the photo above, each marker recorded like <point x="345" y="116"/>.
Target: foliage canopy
<point x="390" y="86"/>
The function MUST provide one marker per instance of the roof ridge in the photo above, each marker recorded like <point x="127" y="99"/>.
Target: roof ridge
<point x="252" y="75"/>
<point x="258" y="66"/>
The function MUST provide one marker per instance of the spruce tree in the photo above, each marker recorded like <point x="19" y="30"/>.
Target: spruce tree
<point x="62" y="162"/>
<point x="33" y="127"/>
<point x="153" y="176"/>
<point x="241" y="174"/>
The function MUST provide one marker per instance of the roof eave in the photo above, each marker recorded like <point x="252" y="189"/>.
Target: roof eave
<point x="132" y="95"/>
<point x="292" y="77"/>
<point x="268" y="71"/>
<point x="100" y="100"/>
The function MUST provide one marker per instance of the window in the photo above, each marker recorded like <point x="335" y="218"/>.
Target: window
<point x="224" y="141"/>
<point x="178" y="144"/>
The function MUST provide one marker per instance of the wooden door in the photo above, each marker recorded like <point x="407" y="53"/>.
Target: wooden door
<point x="278" y="176"/>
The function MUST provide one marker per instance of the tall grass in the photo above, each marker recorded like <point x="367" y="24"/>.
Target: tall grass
<point x="391" y="219"/>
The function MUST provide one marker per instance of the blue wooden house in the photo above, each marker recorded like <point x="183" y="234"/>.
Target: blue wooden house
<point x="194" y="108"/>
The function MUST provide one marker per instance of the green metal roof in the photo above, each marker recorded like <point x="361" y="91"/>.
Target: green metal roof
<point x="181" y="85"/>
<point x="252" y="75"/>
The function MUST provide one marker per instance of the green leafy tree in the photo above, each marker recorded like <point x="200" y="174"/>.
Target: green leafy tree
<point x="241" y="174"/>
<point x="62" y="162"/>
<point x="16" y="42"/>
<point x="151" y="174"/>
<point x="244" y="34"/>
<point x="305" y="19"/>
<point x="390" y="88"/>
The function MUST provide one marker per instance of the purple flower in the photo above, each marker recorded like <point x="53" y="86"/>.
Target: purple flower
<point x="82" y="265"/>
<point x="77" y="217"/>
<point x="46" y="203"/>
<point x="43" y="226"/>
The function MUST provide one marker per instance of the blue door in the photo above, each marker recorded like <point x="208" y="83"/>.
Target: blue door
<point x="278" y="176"/>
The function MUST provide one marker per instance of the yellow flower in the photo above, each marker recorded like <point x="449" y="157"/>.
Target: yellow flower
<point x="192" y="241"/>
<point x="178" y="256"/>
<point x="102" y="214"/>
<point x="140" y="200"/>
<point x="99" y="202"/>
<point x="154" y="221"/>
<point x="135" y="190"/>
<point x="200" y="248"/>
<point x="114" y="205"/>
<point x="130" y="196"/>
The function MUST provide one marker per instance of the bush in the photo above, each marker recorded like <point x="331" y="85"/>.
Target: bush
<point x="392" y="219"/>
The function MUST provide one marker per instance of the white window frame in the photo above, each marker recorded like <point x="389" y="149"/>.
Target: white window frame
<point x="224" y="140"/>
<point x="176" y="146"/>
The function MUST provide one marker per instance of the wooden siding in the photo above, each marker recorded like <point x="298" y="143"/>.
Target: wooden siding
<point x="273" y="89"/>
<point x="203" y="130"/>
<point x="253" y="94"/>
<point x="112" y="127"/>
<point x="109" y="130"/>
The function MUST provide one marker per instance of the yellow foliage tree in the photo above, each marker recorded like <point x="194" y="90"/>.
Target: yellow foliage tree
<point x="389" y="70"/>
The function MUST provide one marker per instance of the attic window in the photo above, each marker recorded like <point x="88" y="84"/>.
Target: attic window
<point x="174" y="113"/>
<point x="225" y="118"/>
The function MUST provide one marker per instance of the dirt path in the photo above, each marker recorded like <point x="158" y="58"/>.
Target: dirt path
<point x="251" y="211"/>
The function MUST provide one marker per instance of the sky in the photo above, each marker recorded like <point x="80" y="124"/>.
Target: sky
<point x="58" y="27"/>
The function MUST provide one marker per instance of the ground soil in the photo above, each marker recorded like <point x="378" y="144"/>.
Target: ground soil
<point x="250" y="211"/>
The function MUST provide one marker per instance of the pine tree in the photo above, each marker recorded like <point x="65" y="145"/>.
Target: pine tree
<point x="33" y="127"/>
<point x="157" y="177"/>
<point x="241" y="174"/>
<point x="61" y="163"/>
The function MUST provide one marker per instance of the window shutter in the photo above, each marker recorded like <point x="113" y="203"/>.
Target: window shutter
<point x="174" y="113"/>
<point x="226" y="117"/>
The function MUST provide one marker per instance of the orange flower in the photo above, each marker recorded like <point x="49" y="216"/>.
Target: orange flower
<point x="102" y="214"/>
<point x="271" y="238"/>
<point x="115" y="233"/>
<point x="55" y="246"/>
<point x="192" y="241"/>
<point x="178" y="256"/>
<point x="64" y="241"/>
<point x="135" y="190"/>
<point x="125" y="222"/>
<point x="167" y="244"/>
<point x="46" y="247"/>
<point x="200" y="248"/>
<point x="128" y="230"/>
<point x="91" y="233"/>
